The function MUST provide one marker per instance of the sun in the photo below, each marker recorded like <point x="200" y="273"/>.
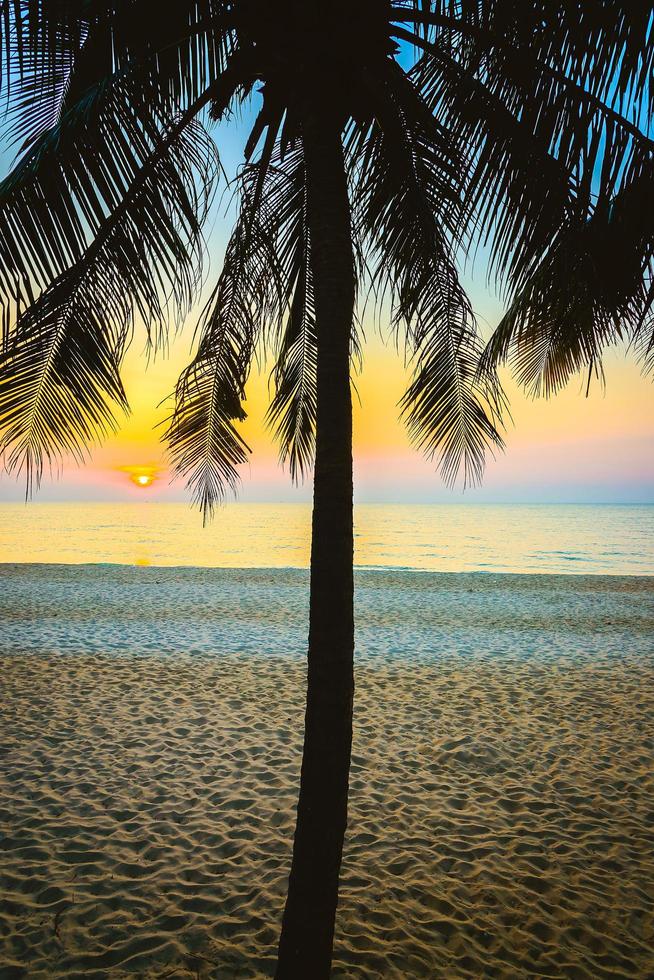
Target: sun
<point x="141" y="476"/>
<point x="143" y="479"/>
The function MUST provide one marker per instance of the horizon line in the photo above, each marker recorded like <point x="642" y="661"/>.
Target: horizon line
<point x="369" y="503"/>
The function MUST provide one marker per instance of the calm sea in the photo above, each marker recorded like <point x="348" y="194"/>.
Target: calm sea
<point x="570" y="538"/>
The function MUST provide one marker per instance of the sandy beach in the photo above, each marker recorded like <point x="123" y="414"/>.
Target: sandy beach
<point x="502" y="790"/>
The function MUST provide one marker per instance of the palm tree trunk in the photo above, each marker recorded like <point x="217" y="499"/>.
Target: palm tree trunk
<point x="305" y="948"/>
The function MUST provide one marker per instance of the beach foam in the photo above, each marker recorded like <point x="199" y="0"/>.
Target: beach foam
<point x="502" y="810"/>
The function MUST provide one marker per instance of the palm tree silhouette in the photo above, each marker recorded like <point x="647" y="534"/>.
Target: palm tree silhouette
<point x="391" y="138"/>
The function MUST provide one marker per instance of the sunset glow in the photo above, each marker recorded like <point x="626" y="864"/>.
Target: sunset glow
<point x="567" y="448"/>
<point x="141" y="476"/>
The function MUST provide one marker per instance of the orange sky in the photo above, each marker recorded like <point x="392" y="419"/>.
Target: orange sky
<point x="568" y="448"/>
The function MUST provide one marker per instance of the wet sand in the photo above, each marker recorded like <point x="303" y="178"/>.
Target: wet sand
<point x="502" y="790"/>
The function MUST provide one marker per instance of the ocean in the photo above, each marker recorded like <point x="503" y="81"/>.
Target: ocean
<point x="521" y="538"/>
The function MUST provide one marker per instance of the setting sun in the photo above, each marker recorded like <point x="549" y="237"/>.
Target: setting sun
<point x="141" y="476"/>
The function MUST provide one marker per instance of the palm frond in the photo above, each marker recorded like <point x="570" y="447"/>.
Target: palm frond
<point x="551" y="132"/>
<point x="292" y="410"/>
<point x="406" y="201"/>
<point x="559" y="150"/>
<point x="264" y="296"/>
<point x="600" y="54"/>
<point x="41" y="38"/>
<point x="591" y="289"/>
<point x="205" y="446"/>
<point x="57" y="199"/>
<point x="60" y="372"/>
<point x="59" y="367"/>
<point x="55" y="52"/>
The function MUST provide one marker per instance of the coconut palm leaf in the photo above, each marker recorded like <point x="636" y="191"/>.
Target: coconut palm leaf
<point x="59" y="368"/>
<point x="55" y="51"/>
<point x="205" y="446"/>
<point x="263" y="297"/>
<point x="406" y="202"/>
<point x="61" y="371"/>
<point x="56" y="200"/>
<point x="551" y="332"/>
<point x="292" y="412"/>
<point x="554" y="139"/>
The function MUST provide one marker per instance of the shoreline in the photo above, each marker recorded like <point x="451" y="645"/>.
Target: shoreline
<point x="14" y="565"/>
<point x="400" y="615"/>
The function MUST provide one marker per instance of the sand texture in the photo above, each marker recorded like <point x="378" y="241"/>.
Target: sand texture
<point x="502" y="790"/>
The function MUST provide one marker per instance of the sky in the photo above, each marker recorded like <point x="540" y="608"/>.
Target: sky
<point x="571" y="448"/>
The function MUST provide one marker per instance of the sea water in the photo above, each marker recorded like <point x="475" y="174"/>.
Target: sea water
<point x="523" y="538"/>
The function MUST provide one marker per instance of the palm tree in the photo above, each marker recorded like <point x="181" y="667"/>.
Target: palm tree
<point x="391" y="138"/>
